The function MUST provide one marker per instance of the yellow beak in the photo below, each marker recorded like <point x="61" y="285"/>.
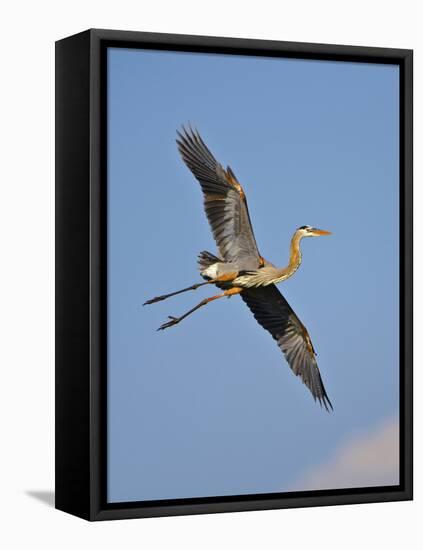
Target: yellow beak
<point x="319" y="232"/>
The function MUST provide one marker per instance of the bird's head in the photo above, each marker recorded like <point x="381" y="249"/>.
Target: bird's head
<point x="308" y="231"/>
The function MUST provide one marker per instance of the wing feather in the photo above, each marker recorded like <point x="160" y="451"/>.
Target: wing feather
<point x="273" y="313"/>
<point x="224" y="200"/>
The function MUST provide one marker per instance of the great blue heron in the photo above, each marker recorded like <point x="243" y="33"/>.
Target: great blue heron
<point x="240" y="268"/>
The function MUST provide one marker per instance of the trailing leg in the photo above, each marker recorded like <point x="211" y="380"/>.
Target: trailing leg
<point x="176" y="320"/>
<point x="165" y="296"/>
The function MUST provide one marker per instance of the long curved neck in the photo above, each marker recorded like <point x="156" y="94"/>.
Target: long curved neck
<point x="294" y="259"/>
<point x="269" y="274"/>
<point x="294" y="253"/>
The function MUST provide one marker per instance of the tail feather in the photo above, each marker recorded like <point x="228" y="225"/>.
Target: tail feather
<point x="205" y="259"/>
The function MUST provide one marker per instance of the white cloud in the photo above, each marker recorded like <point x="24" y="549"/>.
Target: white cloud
<point x="368" y="460"/>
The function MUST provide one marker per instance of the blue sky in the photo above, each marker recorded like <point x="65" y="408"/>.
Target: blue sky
<point x="210" y="407"/>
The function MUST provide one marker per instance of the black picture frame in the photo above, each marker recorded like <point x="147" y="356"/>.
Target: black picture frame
<point x="81" y="275"/>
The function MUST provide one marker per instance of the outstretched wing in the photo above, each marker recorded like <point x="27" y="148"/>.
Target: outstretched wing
<point x="224" y="199"/>
<point x="274" y="314"/>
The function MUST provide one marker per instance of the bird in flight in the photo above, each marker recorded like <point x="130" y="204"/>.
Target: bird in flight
<point x="240" y="268"/>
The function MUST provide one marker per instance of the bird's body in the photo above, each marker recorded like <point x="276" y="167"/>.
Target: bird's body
<point x="248" y="273"/>
<point x="240" y="269"/>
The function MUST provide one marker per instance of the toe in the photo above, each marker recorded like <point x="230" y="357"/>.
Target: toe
<point x="173" y="321"/>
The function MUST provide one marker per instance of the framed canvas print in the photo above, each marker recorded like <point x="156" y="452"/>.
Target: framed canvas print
<point x="233" y="274"/>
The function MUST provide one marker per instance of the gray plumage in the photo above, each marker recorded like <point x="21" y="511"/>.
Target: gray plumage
<point x="240" y="268"/>
<point x="226" y="208"/>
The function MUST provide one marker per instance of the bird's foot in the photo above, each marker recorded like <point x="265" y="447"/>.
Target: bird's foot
<point x="154" y="300"/>
<point x="173" y="321"/>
